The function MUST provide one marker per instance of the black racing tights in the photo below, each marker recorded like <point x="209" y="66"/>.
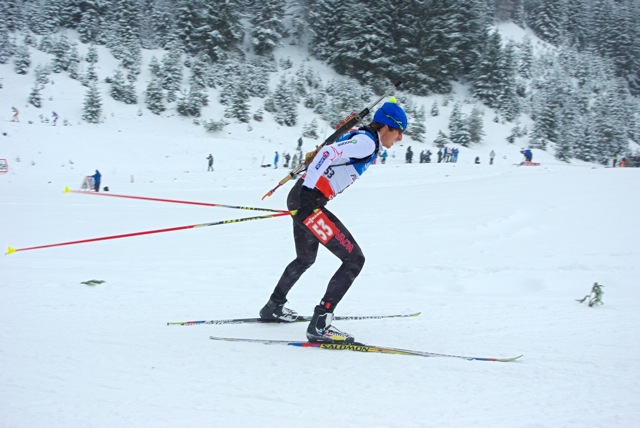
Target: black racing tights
<point x="338" y="240"/>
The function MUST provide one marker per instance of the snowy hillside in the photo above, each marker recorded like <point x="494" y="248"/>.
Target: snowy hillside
<point x="494" y="256"/>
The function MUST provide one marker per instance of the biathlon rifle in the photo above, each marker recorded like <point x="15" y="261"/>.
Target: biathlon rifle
<point x="351" y="121"/>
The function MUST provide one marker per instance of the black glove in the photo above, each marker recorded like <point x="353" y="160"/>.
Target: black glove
<point x="307" y="203"/>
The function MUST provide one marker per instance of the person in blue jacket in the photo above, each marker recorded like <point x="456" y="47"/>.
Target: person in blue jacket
<point x="96" y="180"/>
<point x="527" y="155"/>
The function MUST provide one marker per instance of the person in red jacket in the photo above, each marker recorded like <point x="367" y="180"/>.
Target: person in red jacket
<point x="335" y="167"/>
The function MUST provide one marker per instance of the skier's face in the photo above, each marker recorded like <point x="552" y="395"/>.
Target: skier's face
<point x="389" y="135"/>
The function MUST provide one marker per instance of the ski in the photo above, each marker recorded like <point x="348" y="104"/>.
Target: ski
<point x="300" y="319"/>
<point x="361" y="347"/>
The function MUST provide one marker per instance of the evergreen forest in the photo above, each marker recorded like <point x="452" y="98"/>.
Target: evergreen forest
<point x="580" y="85"/>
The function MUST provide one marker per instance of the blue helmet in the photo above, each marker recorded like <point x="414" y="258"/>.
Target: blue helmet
<point x="391" y="114"/>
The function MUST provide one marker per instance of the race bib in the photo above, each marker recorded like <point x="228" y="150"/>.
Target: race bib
<point x="321" y="226"/>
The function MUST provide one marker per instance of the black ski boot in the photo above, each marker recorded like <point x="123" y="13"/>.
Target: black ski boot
<point x="275" y="311"/>
<point x="320" y="329"/>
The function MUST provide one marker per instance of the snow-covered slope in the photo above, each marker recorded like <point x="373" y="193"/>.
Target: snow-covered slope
<point x="494" y="256"/>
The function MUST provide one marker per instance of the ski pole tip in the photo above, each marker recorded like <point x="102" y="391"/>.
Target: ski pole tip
<point x="10" y="250"/>
<point x="67" y="190"/>
<point x="266" y="195"/>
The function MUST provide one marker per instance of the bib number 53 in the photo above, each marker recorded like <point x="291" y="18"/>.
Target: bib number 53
<point x="321" y="226"/>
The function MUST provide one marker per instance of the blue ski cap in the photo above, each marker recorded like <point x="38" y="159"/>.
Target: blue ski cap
<point x="391" y="114"/>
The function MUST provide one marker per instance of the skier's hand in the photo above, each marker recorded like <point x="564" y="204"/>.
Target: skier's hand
<point x="307" y="203"/>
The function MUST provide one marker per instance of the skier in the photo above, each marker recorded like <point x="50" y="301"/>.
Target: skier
<point x="276" y="157"/>
<point x="96" y="180"/>
<point x="334" y="168"/>
<point x="527" y="155"/>
<point x="210" y="159"/>
<point x="16" y="114"/>
<point x="54" y="116"/>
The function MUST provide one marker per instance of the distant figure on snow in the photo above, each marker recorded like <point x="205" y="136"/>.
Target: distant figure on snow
<point x="527" y="155"/>
<point x="492" y="155"/>
<point x="16" y="115"/>
<point x="210" y="159"/>
<point x="96" y="180"/>
<point x="276" y="158"/>
<point x="54" y="117"/>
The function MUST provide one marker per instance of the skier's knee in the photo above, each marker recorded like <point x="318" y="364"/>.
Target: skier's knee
<point x="355" y="263"/>
<point x="305" y="263"/>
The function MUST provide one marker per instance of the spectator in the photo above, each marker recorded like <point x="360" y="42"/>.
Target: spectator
<point x="210" y="159"/>
<point x="97" y="178"/>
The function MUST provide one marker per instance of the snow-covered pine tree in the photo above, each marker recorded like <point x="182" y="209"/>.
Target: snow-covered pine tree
<point x="154" y="98"/>
<point x="154" y="67"/>
<point x="284" y="99"/>
<point x="7" y="47"/>
<point x="441" y="140"/>
<point x="43" y="17"/>
<point x="22" y="60"/>
<point x="91" y="22"/>
<point x="259" y="78"/>
<point x="199" y="70"/>
<point x="73" y="66"/>
<point x="547" y="20"/>
<point x="267" y="26"/>
<point x="191" y="103"/>
<point x="324" y="16"/>
<point x="35" y="96"/>
<point x="435" y="110"/>
<point x="42" y="75"/>
<point x="90" y="76"/>
<point x="238" y="105"/>
<point x="221" y="31"/>
<point x="475" y="125"/>
<point x="417" y="120"/>
<point x="61" y="49"/>
<point x="92" y="104"/>
<point x="310" y="130"/>
<point x="508" y="103"/>
<point x="459" y="127"/>
<point x="488" y="73"/>
<point x="92" y="54"/>
<point x="172" y="72"/>
<point x="117" y="89"/>
<point x="525" y="57"/>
